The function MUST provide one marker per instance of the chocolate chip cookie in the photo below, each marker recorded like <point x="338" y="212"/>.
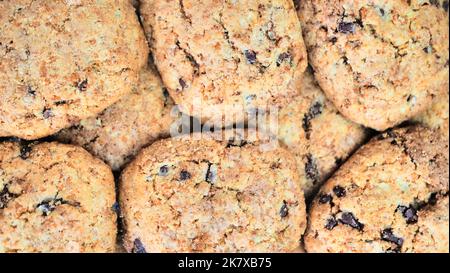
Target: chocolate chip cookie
<point x="55" y="198"/>
<point x="313" y="130"/>
<point x="119" y="132"/>
<point x="380" y="62"/>
<point x="391" y="196"/>
<point x="222" y="192"/>
<point x="63" y="61"/>
<point x="223" y="60"/>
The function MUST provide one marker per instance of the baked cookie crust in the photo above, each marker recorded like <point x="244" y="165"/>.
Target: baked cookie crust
<point x="63" y="61"/>
<point x="212" y="194"/>
<point x="391" y="196"/>
<point x="55" y="198"/>
<point x="380" y="62"/>
<point x="223" y="60"/>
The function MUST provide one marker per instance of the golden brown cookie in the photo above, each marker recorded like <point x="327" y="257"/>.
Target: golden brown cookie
<point x="222" y="60"/>
<point x="63" y="61"/>
<point x="55" y="198"/>
<point x="119" y="132"/>
<point x="380" y="62"/>
<point x="391" y="196"/>
<point x="227" y="192"/>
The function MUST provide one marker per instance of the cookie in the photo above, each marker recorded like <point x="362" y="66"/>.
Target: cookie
<point x="436" y="117"/>
<point x="212" y="193"/>
<point x="119" y="132"/>
<point x="223" y="60"/>
<point x="55" y="198"/>
<point x="63" y="61"/>
<point x="391" y="196"/>
<point x="315" y="132"/>
<point x="380" y="62"/>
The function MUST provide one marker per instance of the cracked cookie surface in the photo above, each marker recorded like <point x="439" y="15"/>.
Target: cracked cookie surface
<point x="55" y="198"/>
<point x="63" y="61"/>
<point x="119" y="132"/>
<point x="224" y="59"/>
<point x="214" y="194"/>
<point x="380" y="62"/>
<point x="391" y="196"/>
<point x="315" y="132"/>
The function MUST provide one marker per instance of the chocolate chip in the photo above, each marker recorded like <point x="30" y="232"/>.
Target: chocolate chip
<point x="333" y="40"/>
<point x="163" y="171"/>
<point x="347" y="27"/>
<point x="409" y="213"/>
<point x="382" y="12"/>
<point x="347" y="218"/>
<point x="331" y="223"/>
<point x="345" y="60"/>
<point x="47" y="113"/>
<point x="388" y="236"/>
<point x="182" y="84"/>
<point x="165" y="93"/>
<point x="311" y="169"/>
<point x="185" y="175"/>
<point x="284" y="57"/>
<point x="339" y="191"/>
<point x="138" y="247"/>
<point x="411" y="99"/>
<point x="428" y="49"/>
<point x="359" y="22"/>
<point x="250" y="55"/>
<point x="166" y="96"/>
<point x="284" y="211"/>
<point x="325" y="198"/>
<point x="25" y="150"/>
<point x="82" y="85"/>
<point x="315" y="110"/>
<point x="210" y="175"/>
<point x="6" y="196"/>
<point x="31" y="91"/>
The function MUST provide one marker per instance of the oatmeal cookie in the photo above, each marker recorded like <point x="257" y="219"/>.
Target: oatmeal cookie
<point x="212" y="193"/>
<point x="63" y="61"/>
<point x="223" y="60"/>
<point x="55" y="198"/>
<point x="391" y="196"/>
<point x="380" y="62"/>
